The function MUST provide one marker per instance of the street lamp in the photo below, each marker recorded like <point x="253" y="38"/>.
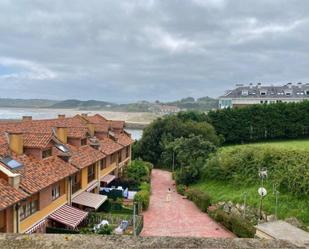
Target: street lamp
<point x="262" y="191"/>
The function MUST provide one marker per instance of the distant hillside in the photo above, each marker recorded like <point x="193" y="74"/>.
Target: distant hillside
<point x="202" y="104"/>
<point x="27" y="103"/>
<point x="78" y="104"/>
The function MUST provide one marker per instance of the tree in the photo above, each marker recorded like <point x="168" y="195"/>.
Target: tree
<point x="187" y="150"/>
<point x="164" y="130"/>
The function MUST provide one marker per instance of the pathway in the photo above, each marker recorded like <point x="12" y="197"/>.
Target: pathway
<point x="178" y="217"/>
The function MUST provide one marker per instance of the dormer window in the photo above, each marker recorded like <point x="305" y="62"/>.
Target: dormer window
<point x="47" y="153"/>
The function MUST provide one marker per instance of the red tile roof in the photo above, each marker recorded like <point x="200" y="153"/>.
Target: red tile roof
<point x="77" y="132"/>
<point x="84" y="156"/>
<point x="39" y="174"/>
<point x="32" y="140"/>
<point x="117" y="124"/>
<point x="9" y="195"/>
<point x="109" y="146"/>
<point x="124" y="139"/>
<point x="96" y="119"/>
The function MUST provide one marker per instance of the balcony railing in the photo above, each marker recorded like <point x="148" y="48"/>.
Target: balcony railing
<point x="76" y="187"/>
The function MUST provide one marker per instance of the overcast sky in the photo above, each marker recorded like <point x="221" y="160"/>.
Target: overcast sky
<point x="130" y="50"/>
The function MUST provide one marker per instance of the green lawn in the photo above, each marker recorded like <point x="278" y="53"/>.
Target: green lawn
<point x="300" y="144"/>
<point x="289" y="206"/>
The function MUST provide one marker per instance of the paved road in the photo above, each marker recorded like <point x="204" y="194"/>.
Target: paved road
<point x="177" y="217"/>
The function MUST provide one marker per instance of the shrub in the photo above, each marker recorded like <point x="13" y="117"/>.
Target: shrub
<point x="286" y="168"/>
<point x="145" y="186"/>
<point x="106" y="229"/>
<point x="201" y="199"/>
<point x="143" y="197"/>
<point x="181" y="189"/>
<point x="60" y="230"/>
<point x="138" y="171"/>
<point x="238" y="225"/>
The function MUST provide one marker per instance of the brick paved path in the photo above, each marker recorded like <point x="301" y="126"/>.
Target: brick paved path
<point x="178" y="217"/>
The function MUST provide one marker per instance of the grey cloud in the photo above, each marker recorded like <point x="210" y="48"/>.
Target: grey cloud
<point x="149" y="49"/>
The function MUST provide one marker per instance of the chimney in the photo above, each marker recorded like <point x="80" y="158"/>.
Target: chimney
<point x="62" y="134"/>
<point x="16" y="142"/>
<point x="61" y="116"/>
<point x="91" y="129"/>
<point x="27" y="118"/>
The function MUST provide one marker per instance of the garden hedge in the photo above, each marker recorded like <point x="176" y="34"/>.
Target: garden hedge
<point x="238" y="225"/>
<point x="200" y="198"/>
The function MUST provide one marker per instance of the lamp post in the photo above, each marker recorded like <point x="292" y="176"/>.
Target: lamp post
<point x="134" y="218"/>
<point x="262" y="191"/>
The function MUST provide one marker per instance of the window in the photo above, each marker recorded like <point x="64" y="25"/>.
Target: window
<point x="76" y="183"/>
<point x="119" y="157"/>
<point x="91" y="172"/>
<point x="114" y="157"/>
<point x="127" y="151"/>
<point x="47" y="153"/>
<point x="103" y="163"/>
<point x="28" y="209"/>
<point x="56" y="192"/>
<point x="84" y="142"/>
<point x="307" y="92"/>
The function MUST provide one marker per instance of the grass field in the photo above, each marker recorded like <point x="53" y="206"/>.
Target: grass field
<point x="300" y="144"/>
<point x="288" y="205"/>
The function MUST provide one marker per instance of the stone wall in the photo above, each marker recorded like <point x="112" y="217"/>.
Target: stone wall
<point x="53" y="241"/>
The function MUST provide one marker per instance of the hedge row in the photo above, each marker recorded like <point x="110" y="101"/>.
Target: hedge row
<point x="238" y="225"/>
<point x="200" y="198"/>
<point x="262" y="122"/>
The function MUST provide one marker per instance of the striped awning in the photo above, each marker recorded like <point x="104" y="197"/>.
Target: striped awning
<point x="107" y="178"/>
<point x="89" y="200"/>
<point x="36" y="226"/>
<point x="69" y="216"/>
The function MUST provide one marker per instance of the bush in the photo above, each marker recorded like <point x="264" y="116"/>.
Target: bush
<point x="106" y="229"/>
<point x="201" y="199"/>
<point x="145" y="186"/>
<point x="190" y="174"/>
<point x="238" y="225"/>
<point x="287" y="168"/>
<point x="181" y="189"/>
<point x="110" y="206"/>
<point x="143" y="197"/>
<point x="137" y="171"/>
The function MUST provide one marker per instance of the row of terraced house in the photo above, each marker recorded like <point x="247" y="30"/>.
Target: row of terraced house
<point x="51" y="170"/>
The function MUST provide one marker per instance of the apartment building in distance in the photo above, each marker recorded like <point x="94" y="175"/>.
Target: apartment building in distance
<point x="261" y="94"/>
<point x="51" y="170"/>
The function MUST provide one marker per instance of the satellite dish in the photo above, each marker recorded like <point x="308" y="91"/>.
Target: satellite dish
<point x="262" y="192"/>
